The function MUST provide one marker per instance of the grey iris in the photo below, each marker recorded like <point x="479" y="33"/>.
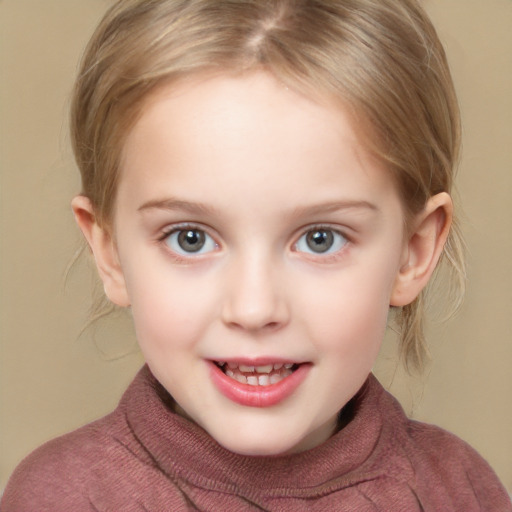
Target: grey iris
<point x="191" y="240"/>
<point x="320" y="240"/>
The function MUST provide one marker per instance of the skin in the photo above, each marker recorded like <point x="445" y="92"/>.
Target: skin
<point x="256" y="167"/>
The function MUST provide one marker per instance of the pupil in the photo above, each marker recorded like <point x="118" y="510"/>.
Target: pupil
<point x="320" y="241"/>
<point x="191" y="240"/>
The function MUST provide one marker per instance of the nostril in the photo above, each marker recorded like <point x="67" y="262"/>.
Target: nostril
<point x="253" y="320"/>
<point x="253" y="308"/>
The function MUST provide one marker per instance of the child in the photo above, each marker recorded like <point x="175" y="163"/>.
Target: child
<point x="263" y="180"/>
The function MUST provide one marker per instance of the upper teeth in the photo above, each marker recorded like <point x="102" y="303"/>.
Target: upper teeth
<point x="258" y="369"/>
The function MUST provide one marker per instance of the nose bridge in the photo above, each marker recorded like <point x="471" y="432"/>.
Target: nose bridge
<point x="255" y="297"/>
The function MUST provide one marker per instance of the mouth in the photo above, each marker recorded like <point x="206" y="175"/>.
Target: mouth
<point x="258" y="384"/>
<point x="263" y="375"/>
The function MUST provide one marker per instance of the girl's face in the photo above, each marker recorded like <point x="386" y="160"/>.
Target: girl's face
<point x="259" y="246"/>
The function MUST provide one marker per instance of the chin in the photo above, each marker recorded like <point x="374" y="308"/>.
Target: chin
<point x="261" y="445"/>
<point x="257" y="450"/>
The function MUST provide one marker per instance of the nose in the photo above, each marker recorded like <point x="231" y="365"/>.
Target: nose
<point x="255" y="296"/>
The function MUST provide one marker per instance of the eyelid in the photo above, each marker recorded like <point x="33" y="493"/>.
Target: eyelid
<point x="167" y="231"/>
<point x="345" y="232"/>
<point x="327" y="256"/>
<point x="181" y="226"/>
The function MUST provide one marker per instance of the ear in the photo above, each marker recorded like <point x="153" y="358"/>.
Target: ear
<point x="104" y="251"/>
<point x="423" y="249"/>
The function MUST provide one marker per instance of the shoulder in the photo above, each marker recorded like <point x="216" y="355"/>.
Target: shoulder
<point x="433" y="446"/>
<point x="102" y="466"/>
<point x="449" y="470"/>
<point x="442" y="471"/>
<point x="56" y="475"/>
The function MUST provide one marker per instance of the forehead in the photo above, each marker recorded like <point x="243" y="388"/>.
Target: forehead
<point x="244" y="104"/>
<point x="244" y="136"/>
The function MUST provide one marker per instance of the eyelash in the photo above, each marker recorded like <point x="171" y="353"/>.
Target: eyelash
<point x="326" y="256"/>
<point x="180" y="228"/>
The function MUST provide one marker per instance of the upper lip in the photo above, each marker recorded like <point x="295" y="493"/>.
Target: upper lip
<point x="258" y="361"/>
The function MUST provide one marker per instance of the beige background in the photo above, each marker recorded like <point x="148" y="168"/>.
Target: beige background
<point x="55" y="378"/>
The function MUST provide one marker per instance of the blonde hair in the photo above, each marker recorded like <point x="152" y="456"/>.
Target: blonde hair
<point x="381" y="58"/>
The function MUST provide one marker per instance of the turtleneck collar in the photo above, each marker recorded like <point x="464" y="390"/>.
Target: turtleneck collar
<point x="185" y="452"/>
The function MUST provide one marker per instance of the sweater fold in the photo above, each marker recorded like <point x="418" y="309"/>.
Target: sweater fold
<point x="145" y="457"/>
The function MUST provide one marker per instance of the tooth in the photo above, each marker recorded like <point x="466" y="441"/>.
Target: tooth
<point x="275" y="378"/>
<point x="263" y="380"/>
<point x="246" y="369"/>
<point x="241" y="378"/>
<point x="288" y="365"/>
<point x="233" y="365"/>
<point x="286" y="373"/>
<point x="264" y="369"/>
<point x="230" y="373"/>
<point x="221" y="363"/>
<point x="278" y="366"/>
<point x="252" y="380"/>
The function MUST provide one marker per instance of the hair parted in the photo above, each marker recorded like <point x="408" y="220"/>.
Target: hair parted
<point x="381" y="58"/>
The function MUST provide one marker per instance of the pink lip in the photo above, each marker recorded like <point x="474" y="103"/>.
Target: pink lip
<point x="257" y="396"/>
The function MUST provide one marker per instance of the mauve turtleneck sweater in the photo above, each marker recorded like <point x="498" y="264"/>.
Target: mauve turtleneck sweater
<point x="144" y="457"/>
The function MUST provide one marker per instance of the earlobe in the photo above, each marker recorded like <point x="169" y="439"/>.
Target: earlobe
<point x="423" y="249"/>
<point x="103" y="249"/>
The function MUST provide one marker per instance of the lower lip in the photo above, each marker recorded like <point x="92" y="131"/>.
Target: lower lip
<point x="257" y="396"/>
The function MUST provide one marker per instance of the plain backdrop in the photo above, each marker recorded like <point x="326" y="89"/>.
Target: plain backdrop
<point x="55" y="376"/>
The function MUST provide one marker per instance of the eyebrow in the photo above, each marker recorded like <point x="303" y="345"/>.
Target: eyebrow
<point x="335" y="206"/>
<point x="174" y="204"/>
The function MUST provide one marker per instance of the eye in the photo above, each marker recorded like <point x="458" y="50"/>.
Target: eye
<point x="190" y="241"/>
<point x="321" y="241"/>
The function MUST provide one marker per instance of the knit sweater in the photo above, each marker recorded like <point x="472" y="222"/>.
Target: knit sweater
<point x="144" y="457"/>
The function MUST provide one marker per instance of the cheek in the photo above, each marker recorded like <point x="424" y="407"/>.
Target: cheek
<point x="169" y="310"/>
<point x="348" y="314"/>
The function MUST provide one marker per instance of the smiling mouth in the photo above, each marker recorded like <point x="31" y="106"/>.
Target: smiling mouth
<point x="265" y="375"/>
